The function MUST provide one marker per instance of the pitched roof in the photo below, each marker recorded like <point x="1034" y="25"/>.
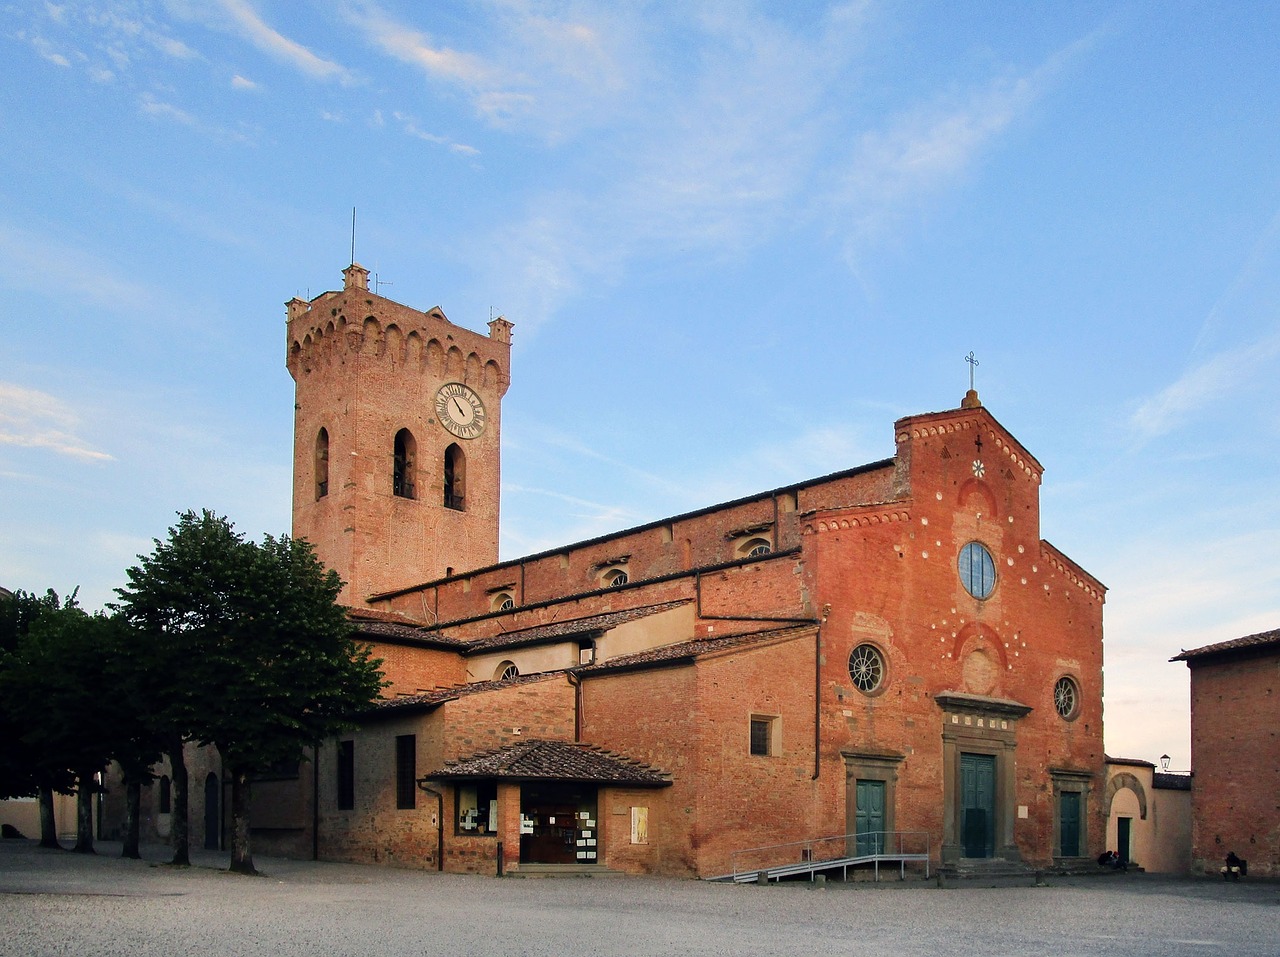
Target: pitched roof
<point x="576" y="626"/>
<point x="1264" y="639"/>
<point x="536" y="760"/>
<point x="1170" y="781"/>
<point x="687" y="651"/>
<point x="428" y="700"/>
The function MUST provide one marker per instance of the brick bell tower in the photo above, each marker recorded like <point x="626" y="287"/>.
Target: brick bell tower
<point x="397" y="418"/>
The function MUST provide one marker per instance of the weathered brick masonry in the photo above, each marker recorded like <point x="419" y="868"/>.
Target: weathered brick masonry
<point x="891" y="648"/>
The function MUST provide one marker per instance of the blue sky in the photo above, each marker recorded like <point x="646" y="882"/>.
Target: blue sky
<point x="737" y="240"/>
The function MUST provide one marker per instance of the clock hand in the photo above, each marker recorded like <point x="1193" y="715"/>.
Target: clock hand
<point x="458" y="405"/>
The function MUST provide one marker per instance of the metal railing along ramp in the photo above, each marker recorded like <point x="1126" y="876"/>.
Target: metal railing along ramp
<point x="823" y="854"/>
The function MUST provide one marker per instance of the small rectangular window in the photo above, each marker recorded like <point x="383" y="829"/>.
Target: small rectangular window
<point x="346" y="775"/>
<point x="406" y="771"/>
<point x="762" y="735"/>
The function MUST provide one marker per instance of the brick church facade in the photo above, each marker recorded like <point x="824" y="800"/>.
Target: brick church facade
<point x="888" y="650"/>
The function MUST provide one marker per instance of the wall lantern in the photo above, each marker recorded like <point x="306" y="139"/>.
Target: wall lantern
<point x="1164" y="762"/>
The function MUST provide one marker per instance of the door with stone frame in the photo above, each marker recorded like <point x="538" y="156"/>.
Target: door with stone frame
<point x="977" y="804"/>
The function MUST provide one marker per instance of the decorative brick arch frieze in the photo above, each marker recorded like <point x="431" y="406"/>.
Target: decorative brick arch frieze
<point x="370" y="336"/>
<point x="834" y="521"/>
<point x="1021" y="462"/>
<point x="1068" y="571"/>
<point x="1118" y="783"/>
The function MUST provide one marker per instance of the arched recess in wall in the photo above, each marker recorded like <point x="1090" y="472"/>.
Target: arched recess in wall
<point x="1126" y="780"/>
<point x="322" y="463"/>
<point x="455" y="478"/>
<point x="404" y="454"/>
<point x="976" y="492"/>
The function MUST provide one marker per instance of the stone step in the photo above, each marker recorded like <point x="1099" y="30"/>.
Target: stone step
<point x="563" y="870"/>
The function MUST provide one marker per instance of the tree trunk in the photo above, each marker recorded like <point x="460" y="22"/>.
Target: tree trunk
<point x="84" y="813"/>
<point x="180" y="823"/>
<point x="241" y="797"/>
<point x="132" y="819"/>
<point x="48" y="826"/>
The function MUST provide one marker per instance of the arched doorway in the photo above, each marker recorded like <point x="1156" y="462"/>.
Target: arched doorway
<point x="212" y="813"/>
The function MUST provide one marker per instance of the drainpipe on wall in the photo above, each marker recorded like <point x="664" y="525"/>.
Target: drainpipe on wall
<point x="439" y="796"/>
<point x="817" y="693"/>
<point x="577" y="706"/>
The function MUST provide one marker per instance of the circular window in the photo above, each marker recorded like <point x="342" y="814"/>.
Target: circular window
<point x="977" y="570"/>
<point x="866" y="668"/>
<point x="615" y="577"/>
<point x="756" y="546"/>
<point x="1066" y="698"/>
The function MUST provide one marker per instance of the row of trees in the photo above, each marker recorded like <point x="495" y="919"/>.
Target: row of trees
<point x="215" y="639"/>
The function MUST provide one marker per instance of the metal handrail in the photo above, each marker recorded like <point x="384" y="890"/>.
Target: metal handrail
<point x="878" y="845"/>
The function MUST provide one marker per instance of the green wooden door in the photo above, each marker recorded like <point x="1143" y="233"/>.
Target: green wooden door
<point x="1123" y="839"/>
<point x="1069" y="823"/>
<point x="977" y="804"/>
<point x="869" y="820"/>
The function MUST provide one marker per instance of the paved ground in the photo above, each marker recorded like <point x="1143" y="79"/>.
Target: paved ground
<point x="62" y="903"/>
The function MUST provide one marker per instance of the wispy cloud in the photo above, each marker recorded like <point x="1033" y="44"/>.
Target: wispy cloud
<point x="416" y="48"/>
<point x="928" y="146"/>
<point x="239" y="82"/>
<point x="410" y="125"/>
<point x="34" y="419"/>
<point x="159" y="109"/>
<point x="1207" y="384"/>
<point x="46" y="49"/>
<point x="247" y="22"/>
<point x="541" y="75"/>
<point x="36" y="262"/>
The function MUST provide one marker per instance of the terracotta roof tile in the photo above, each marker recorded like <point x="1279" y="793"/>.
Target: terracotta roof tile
<point x="437" y="696"/>
<point x="576" y="626"/>
<point x="694" y="648"/>
<point x="1263" y="639"/>
<point x="536" y="760"/>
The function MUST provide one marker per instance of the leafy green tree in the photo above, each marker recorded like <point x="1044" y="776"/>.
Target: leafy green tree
<point x="261" y="650"/>
<point x="55" y="675"/>
<point x="22" y="770"/>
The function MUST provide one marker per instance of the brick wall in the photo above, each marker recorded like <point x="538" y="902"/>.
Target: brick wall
<point x="1235" y="754"/>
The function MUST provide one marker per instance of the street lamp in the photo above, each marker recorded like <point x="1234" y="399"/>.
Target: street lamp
<point x="1164" y="762"/>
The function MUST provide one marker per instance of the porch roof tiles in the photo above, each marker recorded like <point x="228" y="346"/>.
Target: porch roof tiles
<point x="538" y="760"/>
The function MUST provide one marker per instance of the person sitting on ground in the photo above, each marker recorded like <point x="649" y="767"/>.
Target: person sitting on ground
<point x="1231" y="869"/>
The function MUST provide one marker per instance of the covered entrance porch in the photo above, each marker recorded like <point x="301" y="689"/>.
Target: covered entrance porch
<point x="537" y="805"/>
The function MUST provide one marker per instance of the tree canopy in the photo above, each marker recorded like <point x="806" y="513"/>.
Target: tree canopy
<point x="262" y="656"/>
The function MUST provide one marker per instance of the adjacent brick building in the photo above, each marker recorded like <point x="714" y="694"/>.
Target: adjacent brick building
<point x="889" y="649"/>
<point x="1235" y="753"/>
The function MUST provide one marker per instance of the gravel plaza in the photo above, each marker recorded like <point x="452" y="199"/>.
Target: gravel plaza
<point x="63" y="903"/>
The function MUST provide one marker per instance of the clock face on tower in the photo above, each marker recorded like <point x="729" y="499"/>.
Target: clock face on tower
<point x="460" y="410"/>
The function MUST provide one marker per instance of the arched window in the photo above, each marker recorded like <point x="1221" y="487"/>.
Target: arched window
<point x="322" y="463"/>
<point x="614" y="578"/>
<point x="402" y="469"/>
<point x="455" y="478"/>
<point x="502" y="601"/>
<point x="505" y="671"/>
<point x="753" y="547"/>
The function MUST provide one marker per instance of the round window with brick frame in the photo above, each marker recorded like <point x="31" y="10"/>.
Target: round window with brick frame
<point x="1066" y="698"/>
<point x="866" y="668"/>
